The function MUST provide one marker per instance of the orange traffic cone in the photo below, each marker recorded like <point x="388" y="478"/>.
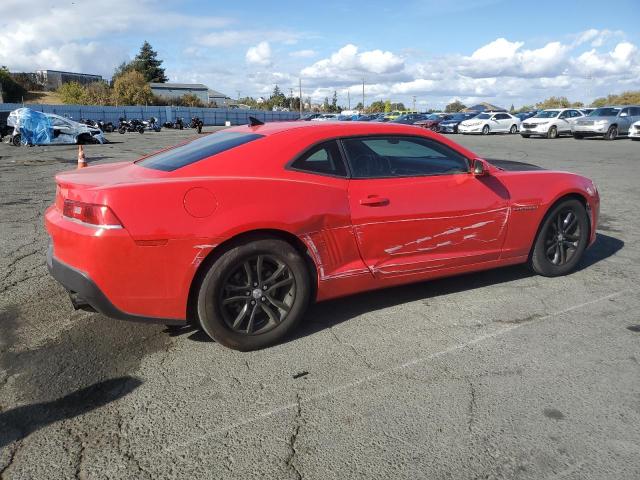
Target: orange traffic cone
<point x="82" y="162"/>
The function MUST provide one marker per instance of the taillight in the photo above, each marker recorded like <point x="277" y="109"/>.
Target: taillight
<point x="95" y="215"/>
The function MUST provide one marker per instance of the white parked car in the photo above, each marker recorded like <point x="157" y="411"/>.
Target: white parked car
<point x="326" y="117"/>
<point x="634" y="131"/>
<point x="490" y="122"/>
<point x="550" y="123"/>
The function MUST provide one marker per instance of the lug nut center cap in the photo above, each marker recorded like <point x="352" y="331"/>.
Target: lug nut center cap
<point x="256" y="293"/>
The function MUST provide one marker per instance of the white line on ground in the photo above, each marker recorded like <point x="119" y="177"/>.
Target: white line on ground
<point x="174" y="448"/>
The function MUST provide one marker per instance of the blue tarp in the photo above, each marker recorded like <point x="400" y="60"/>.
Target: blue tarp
<point x="34" y="127"/>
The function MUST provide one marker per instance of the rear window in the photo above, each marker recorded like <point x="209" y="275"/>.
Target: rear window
<point x="197" y="150"/>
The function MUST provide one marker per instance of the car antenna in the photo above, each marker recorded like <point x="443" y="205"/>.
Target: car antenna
<point x="254" y="122"/>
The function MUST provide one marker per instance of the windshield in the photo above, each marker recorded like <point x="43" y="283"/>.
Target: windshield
<point x="605" y="112"/>
<point x="196" y="150"/>
<point x="456" y="116"/>
<point x="484" y="116"/>
<point x="547" y="114"/>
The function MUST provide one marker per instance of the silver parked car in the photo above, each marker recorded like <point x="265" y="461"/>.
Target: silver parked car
<point x="607" y="122"/>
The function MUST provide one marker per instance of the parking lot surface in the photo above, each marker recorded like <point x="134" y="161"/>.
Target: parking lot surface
<point x="500" y="374"/>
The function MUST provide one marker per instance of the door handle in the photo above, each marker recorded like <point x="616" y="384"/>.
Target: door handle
<point x="374" y="201"/>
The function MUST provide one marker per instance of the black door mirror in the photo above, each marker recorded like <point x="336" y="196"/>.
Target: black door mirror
<point x="480" y="168"/>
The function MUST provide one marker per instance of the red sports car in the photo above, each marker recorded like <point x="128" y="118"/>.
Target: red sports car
<point x="240" y="230"/>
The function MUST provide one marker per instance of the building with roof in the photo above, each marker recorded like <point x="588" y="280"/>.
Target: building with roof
<point x="217" y="99"/>
<point x="176" y="90"/>
<point x="53" y="79"/>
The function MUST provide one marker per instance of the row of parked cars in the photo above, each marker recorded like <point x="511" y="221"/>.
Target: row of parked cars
<point x="607" y="122"/>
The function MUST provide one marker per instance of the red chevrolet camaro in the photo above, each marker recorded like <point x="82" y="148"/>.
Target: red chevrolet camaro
<point x="240" y="230"/>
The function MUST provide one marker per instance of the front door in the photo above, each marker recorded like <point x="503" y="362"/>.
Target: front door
<point x="415" y="208"/>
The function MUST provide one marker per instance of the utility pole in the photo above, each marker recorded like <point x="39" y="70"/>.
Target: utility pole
<point x="349" y="99"/>
<point x="300" y="92"/>
<point x="414" y="103"/>
<point x="363" y="94"/>
<point x="290" y="99"/>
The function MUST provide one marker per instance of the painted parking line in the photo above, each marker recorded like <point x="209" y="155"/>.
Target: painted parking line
<point x="175" y="448"/>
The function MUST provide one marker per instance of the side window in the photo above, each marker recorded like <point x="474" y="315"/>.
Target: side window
<point x="624" y="112"/>
<point x="502" y="116"/>
<point x="323" y="159"/>
<point x="635" y="111"/>
<point x="382" y="157"/>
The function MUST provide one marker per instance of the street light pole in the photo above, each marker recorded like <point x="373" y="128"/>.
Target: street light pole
<point x="363" y="94"/>
<point x="300" y="88"/>
<point x="414" y="103"/>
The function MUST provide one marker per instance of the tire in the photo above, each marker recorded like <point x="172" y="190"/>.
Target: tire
<point x="16" y="140"/>
<point x="140" y="130"/>
<point x="552" y="133"/>
<point x="121" y="130"/>
<point x="485" y="130"/>
<point x="524" y="135"/>
<point x="562" y="238"/>
<point x="612" y="133"/>
<point x="231" y="302"/>
<point x="635" y="139"/>
<point x="577" y="136"/>
<point x="513" y="129"/>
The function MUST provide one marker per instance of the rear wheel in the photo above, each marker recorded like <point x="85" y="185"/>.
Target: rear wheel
<point x="524" y="136"/>
<point x="121" y="130"/>
<point x="513" y="129"/>
<point x="577" y="136"/>
<point x="562" y="239"/>
<point x="485" y="130"/>
<point x="552" y="133"/>
<point x="612" y="133"/>
<point x="16" y="140"/>
<point x="254" y="294"/>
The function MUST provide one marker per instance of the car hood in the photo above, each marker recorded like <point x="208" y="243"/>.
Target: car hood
<point x="539" y="120"/>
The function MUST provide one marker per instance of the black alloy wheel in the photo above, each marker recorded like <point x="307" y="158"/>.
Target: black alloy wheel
<point x="612" y="133"/>
<point x="253" y="293"/>
<point x="562" y="239"/>
<point x="257" y="295"/>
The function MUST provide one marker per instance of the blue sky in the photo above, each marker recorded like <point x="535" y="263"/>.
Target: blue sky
<point x="499" y="51"/>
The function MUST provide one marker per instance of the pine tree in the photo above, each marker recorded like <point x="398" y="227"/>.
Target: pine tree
<point x="148" y="64"/>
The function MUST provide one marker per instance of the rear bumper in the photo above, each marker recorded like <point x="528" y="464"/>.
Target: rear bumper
<point x="84" y="292"/>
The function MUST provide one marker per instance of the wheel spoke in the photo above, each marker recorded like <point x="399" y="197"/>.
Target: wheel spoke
<point x="281" y="268"/>
<point x="281" y="283"/>
<point x="570" y="245"/>
<point x="236" y="288"/>
<point x="251" y="319"/>
<point x="278" y="304"/>
<point x="272" y="316"/>
<point x="559" y="223"/>
<point x="235" y="299"/>
<point x="556" y="255"/>
<point x="563" y="254"/>
<point x="259" y="265"/>
<point x="247" y="270"/>
<point x="572" y="238"/>
<point x="571" y="224"/>
<point x="241" y="315"/>
<point x="552" y="249"/>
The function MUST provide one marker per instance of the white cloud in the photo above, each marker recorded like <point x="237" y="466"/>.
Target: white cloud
<point x="259" y="55"/>
<point x="303" y="53"/>
<point x="347" y="61"/>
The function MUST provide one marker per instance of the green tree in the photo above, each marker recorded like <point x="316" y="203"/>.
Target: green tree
<point x="131" y="88"/>
<point x="277" y="98"/>
<point x="554" y="102"/>
<point x="512" y="109"/>
<point x="12" y="92"/>
<point x="189" y="100"/>
<point x="359" y="107"/>
<point x="325" y="105"/>
<point x="455" y="106"/>
<point x="387" y="106"/>
<point x="377" y="107"/>
<point x="98" y="93"/>
<point x="146" y="62"/>
<point x="334" y="103"/>
<point x="72" y="93"/>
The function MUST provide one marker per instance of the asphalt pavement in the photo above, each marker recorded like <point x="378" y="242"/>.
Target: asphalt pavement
<point x="499" y="374"/>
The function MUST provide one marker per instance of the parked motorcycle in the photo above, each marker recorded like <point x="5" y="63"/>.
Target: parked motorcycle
<point x="104" y="126"/>
<point x="152" y="124"/>
<point x="133" y="125"/>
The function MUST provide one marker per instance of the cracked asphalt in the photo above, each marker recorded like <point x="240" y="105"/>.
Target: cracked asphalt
<point x="500" y="374"/>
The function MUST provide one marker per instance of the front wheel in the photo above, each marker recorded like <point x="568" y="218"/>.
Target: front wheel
<point x="254" y="294"/>
<point x="552" y="133"/>
<point x="513" y="129"/>
<point x="612" y="133"/>
<point x="485" y="130"/>
<point x="121" y="130"/>
<point x="562" y="239"/>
